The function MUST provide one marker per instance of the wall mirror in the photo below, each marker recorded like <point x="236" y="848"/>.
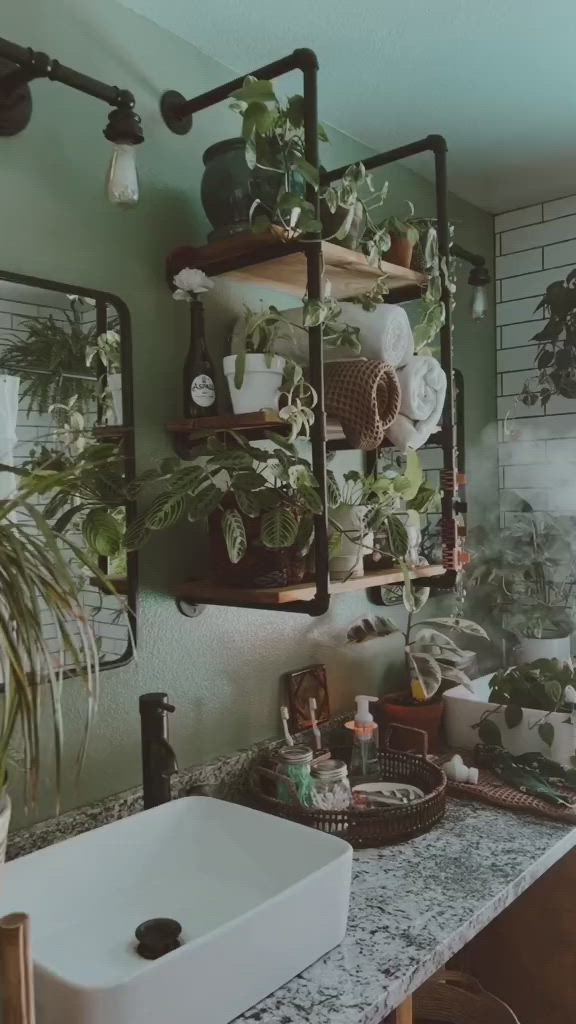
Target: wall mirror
<point x="66" y="404"/>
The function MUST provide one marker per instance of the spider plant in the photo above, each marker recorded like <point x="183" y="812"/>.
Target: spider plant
<point x="39" y="587"/>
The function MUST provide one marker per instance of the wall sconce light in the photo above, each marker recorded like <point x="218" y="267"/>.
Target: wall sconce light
<point x="479" y="278"/>
<point x="20" y="65"/>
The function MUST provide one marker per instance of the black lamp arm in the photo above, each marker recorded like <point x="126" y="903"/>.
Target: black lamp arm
<point x="469" y="257"/>
<point x="31" y="64"/>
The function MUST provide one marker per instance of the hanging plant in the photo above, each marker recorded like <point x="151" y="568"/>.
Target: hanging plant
<point x="556" y="354"/>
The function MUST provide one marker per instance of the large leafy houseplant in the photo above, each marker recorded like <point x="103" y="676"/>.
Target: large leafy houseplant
<point x="391" y="503"/>
<point x="521" y="577"/>
<point x="260" y="499"/>
<point x="556" y="353"/>
<point x="433" y="662"/>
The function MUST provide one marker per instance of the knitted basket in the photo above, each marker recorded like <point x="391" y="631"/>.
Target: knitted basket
<point x="454" y="998"/>
<point x="364" y="394"/>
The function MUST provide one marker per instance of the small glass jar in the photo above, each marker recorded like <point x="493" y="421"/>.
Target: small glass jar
<point x="295" y="763"/>
<point x="331" y="787"/>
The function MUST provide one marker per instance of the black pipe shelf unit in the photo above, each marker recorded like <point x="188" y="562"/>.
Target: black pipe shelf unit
<point x="302" y="266"/>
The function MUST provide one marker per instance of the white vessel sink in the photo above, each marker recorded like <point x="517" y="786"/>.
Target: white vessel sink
<point x="258" y="898"/>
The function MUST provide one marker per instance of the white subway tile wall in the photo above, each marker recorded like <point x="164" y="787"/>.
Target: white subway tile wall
<point x="537" y="449"/>
<point x="37" y="428"/>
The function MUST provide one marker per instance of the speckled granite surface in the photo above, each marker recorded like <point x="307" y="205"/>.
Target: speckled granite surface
<point x="413" y="906"/>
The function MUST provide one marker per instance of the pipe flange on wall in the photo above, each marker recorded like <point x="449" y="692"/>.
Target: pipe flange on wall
<point x="16" y="105"/>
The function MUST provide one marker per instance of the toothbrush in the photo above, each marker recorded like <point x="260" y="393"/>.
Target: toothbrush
<point x="284" y="716"/>
<point x="312" y="705"/>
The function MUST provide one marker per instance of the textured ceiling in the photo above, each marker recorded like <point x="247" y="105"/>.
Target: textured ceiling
<point x="496" y="77"/>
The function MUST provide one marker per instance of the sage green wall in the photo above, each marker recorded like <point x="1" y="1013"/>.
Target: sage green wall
<point x="221" y="670"/>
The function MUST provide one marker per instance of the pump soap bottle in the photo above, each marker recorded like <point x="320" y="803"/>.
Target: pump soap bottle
<point x="364" y="761"/>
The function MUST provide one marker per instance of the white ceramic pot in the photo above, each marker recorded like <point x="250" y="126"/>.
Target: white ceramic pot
<point x="464" y="706"/>
<point x="532" y="648"/>
<point x="355" y="542"/>
<point x="261" y="385"/>
<point x="5" y="812"/>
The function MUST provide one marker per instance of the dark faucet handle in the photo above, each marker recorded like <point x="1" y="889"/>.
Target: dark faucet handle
<point x="155" y="702"/>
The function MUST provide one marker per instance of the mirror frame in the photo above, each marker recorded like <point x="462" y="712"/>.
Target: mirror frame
<point x="125" y="432"/>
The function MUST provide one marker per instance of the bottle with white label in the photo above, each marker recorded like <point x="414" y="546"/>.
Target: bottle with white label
<point x="199" y="392"/>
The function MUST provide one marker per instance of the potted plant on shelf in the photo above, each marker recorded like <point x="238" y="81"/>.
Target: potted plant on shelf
<point x="521" y="581"/>
<point x="258" y="181"/>
<point x="556" y="353"/>
<point x="384" y="506"/>
<point x="259" y="503"/>
<point x="433" y="661"/>
<point x="259" y="379"/>
<point x="38" y="588"/>
<point x="403" y="237"/>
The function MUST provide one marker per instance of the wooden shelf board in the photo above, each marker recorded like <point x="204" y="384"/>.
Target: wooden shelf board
<point x="265" y="260"/>
<point x="256" y="423"/>
<point x="215" y="593"/>
<point x="248" y="421"/>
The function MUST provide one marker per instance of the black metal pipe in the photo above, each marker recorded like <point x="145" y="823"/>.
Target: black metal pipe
<point x="36" y="64"/>
<point x="469" y="257"/>
<point x="302" y="59"/>
<point x="316" y="355"/>
<point x="450" y="442"/>
<point x="431" y="143"/>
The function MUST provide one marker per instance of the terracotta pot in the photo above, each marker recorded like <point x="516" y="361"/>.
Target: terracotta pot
<point x="398" y="709"/>
<point x="400" y="251"/>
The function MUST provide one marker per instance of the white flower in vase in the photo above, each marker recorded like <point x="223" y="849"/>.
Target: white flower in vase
<point x="190" y="282"/>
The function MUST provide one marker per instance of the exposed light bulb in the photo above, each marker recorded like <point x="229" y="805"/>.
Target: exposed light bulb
<point x="122" y="179"/>
<point x="479" y="302"/>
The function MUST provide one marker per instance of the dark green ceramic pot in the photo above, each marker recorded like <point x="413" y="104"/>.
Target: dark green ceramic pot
<point x="230" y="186"/>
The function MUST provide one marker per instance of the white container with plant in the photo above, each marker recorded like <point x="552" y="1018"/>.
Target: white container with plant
<point x="258" y="379"/>
<point x="522" y="709"/>
<point x="521" y="581"/>
<point x="387" y="504"/>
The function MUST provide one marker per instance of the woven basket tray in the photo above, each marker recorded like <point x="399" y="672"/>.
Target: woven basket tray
<point x="377" y="826"/>
<point x="491" y="790"/>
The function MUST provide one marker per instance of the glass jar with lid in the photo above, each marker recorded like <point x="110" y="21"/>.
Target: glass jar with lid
<point x="294" y="763"/>
<point x="330" y="786"/>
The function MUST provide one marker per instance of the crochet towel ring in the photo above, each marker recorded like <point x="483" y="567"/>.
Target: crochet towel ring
<point x="364" y="394"/>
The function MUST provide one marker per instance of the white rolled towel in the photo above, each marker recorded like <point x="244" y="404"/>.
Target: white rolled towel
<point x="423" y="387"/>
<point x="385" y="335"/>
<point x="405" y="434"/>
<point x="423" y="392"/>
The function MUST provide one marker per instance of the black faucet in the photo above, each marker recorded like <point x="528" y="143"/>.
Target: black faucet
<point x="158" y="758"/>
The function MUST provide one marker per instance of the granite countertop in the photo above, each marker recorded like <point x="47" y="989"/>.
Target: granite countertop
<point x="412" y="907"/>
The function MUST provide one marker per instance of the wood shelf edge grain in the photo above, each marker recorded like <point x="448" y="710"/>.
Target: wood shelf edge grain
<point x="269" y="261"/>
<point x="213" y="592"/>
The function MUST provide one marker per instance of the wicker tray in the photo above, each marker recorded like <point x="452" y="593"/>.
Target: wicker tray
<point x="492" y="790"/>
<point x="377" y="826"/>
